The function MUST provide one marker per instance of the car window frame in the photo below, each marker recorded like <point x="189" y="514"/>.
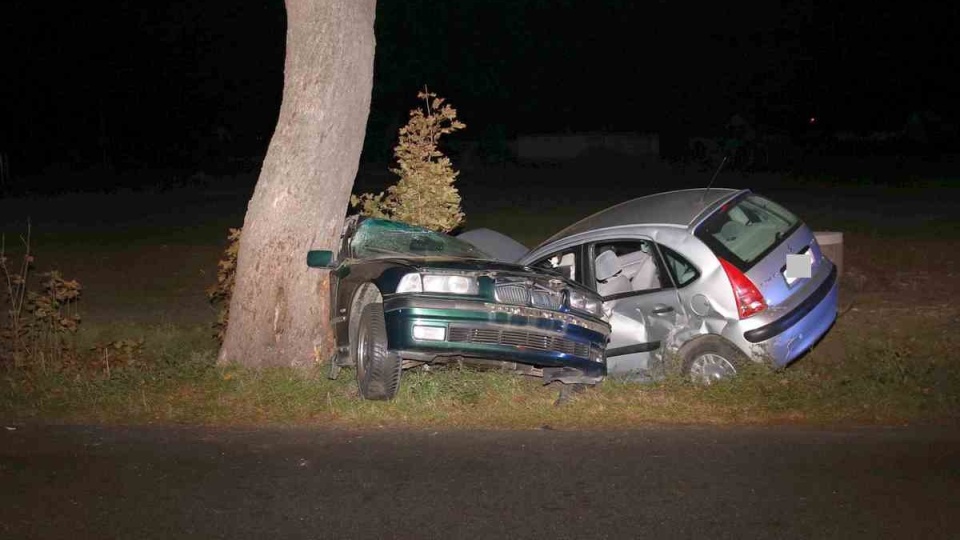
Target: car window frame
<point x="676" y="281"/>
<point x="579" y="264"/>
<point x="721" y="251"/>
<point x="589" y="276"/>
<point x="345" y="252"/>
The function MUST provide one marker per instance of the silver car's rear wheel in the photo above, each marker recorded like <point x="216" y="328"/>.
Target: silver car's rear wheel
<point x="709" y="368"/>
<point x="711" y="359"/>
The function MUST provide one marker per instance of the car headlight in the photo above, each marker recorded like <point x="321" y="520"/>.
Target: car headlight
<point x="438" y="283"/>
<point x="410" y="283"/>
<point x="585" y="303"/>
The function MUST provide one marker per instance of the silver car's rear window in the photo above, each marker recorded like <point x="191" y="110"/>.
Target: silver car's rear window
<point x="746" y="229"/>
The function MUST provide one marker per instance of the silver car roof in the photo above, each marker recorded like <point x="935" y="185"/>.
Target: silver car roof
<point x="675" y="208"/>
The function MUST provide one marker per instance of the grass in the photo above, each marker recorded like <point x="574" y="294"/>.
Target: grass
<point x="850" y="378"/>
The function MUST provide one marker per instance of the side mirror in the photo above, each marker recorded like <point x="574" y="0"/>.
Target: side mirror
<point x="320" y="258"/>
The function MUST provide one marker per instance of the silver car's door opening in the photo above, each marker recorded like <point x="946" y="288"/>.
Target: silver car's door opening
<point x="640" y="326"/>
<point x="641" y="302"/>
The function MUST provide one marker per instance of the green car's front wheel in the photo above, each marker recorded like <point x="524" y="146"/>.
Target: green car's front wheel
<point x="378" y="371"/>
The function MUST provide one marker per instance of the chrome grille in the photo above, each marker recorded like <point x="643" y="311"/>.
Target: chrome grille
<point x="511" y="293"/>
<point x="519" y="338"/>
<point x="529" y="293"/>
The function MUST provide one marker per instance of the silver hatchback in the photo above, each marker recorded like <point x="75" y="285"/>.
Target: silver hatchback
<point x="711" y="278"/>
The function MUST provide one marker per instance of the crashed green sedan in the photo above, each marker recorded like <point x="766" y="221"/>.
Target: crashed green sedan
<point x="405" y="296"/>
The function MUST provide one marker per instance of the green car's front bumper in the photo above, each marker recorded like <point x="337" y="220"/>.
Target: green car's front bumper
<point x="567" y="347"/>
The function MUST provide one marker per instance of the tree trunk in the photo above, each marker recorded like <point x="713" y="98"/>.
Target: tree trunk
<point x="279" y="312"/>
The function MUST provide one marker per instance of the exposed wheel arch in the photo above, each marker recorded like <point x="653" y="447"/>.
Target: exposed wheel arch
<point x="368" y="293"/>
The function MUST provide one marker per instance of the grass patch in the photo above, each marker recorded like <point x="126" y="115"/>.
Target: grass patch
<point x="880" y="377"/>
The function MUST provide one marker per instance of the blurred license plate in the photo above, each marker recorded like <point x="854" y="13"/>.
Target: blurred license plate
<point x="799" y="266"/>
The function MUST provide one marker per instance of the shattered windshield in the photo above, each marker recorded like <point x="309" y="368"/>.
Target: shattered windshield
<point x="381" y="238"/>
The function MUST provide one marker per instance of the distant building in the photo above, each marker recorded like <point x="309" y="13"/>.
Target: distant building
<point x="558" y="147"/>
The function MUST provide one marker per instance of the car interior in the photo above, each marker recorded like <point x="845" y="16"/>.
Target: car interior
<point x="626" y="267"/>
<point x="750" y="230"/>
<point x="565" y="264"/>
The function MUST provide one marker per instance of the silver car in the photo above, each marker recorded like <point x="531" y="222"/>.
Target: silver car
<point x="700" y="280"/>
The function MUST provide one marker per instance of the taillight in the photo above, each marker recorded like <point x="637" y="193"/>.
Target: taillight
<point x="749" y="300"/>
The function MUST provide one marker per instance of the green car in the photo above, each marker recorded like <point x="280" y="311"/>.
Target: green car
<point x="405" y="296"/>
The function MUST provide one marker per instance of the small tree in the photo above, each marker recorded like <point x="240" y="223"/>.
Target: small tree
<point x="425" y="194"/>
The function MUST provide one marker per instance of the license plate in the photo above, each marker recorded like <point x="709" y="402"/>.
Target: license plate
<point x="799" y="266"/>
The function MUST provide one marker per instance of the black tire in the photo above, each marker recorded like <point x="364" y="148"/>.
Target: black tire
<point x="709" y="359"/>
<point x="378" y="371"/>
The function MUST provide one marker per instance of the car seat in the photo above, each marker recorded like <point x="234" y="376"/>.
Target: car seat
<point x="609" y="274"/>
<point x="731" y="230"/>
<point x="646" y="277"/>
<point x="640" y="268"/>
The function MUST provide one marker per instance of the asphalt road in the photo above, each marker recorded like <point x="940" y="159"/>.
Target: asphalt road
<point x="139" y="483"/>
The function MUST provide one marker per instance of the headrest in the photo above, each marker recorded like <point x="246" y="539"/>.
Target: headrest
<point x="731" y="230"/>
<point x="608" y="264"/>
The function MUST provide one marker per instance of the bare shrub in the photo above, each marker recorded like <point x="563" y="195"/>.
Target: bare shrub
<point x="39" y="321"/>
<point x="219" y="294"/>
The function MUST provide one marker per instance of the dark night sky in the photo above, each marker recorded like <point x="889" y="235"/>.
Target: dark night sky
<point x="182" y="83"/>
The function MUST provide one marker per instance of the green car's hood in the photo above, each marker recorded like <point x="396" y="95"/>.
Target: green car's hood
<point x="480" y="266"/>
<point x="457" y="263"/>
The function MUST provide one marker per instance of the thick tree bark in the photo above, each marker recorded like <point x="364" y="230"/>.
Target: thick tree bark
<point x="279" y="312"/>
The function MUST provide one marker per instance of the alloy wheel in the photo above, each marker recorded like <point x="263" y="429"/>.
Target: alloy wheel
<point x="710" y="367"/>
